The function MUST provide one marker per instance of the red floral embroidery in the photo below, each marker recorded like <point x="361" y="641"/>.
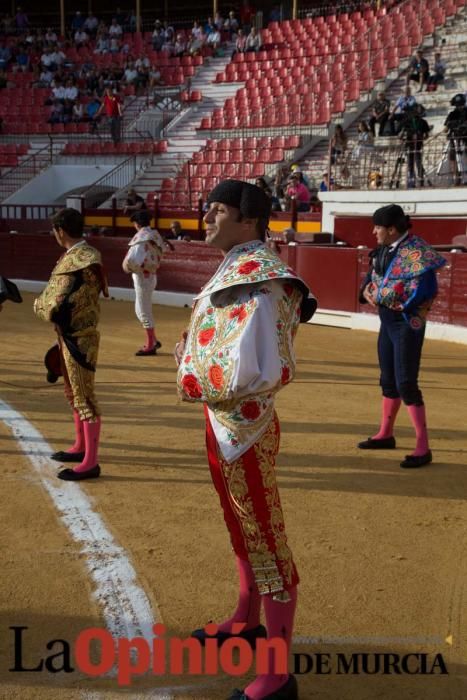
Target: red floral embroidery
<point x="285" y="375"/>
<point x="187" y="359"/>
<point x="205" y="336"/>
<point x="216" y="376"/>
<point x="239" y="313"/>
<point x="191" y="386"/>
<point x="399" y="287"/>
<point x="250" y="410"/>
<point x="247" y="267"/>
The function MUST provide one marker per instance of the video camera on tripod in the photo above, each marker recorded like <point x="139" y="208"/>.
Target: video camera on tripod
<point x="456" y="121"/>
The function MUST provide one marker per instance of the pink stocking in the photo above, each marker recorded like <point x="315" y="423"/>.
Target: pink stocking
<point x="249" y="600"/>
<point x="150" y="339"/>
<point x="390" y="408"/>
<point x="279" y="623"/>
<point x="91" y="437"/>
<point x="418" y="418"/>
<point x="78" y="445"/>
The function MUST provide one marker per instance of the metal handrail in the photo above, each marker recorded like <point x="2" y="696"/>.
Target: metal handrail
<point x="115" y="179"/>
<point x="19" y="175"/>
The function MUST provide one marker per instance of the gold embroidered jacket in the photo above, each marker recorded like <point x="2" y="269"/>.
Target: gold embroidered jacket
<point x="71" y="301"/>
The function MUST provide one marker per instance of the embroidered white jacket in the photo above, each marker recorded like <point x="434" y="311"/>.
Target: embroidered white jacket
<point x="239" y="349"/>
<point x="146" y="249"/>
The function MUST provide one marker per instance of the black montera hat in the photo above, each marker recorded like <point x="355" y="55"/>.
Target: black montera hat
<point x="53" y="364"/>
<point x="9" y="291"/>
<point x="142" y="217"/>
<point x="251" y="200"/>
<point x="392" y="215"/>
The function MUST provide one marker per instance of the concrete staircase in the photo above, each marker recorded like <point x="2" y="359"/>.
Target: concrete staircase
<point x="183" y="139"/>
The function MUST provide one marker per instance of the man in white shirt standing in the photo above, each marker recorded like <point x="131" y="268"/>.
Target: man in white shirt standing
<point x="236" y="355"/>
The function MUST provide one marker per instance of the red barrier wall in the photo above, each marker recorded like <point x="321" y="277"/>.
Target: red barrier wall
<point x="333" y="274"/>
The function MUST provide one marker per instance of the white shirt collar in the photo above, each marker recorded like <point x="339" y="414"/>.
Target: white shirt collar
<point x="394" y="245"/>
<point x="74" y="245"/>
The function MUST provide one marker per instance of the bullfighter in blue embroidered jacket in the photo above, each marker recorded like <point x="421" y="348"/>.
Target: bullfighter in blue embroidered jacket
<point x="402" y="283"/>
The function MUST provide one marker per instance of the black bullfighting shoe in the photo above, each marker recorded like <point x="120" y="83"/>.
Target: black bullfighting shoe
<point x="158" y="344"/>
<point x="143" y="352"/>
<point x="412" y="462"/>
<point x="288" y="691"/>
<point x="70" y="475"/>
<point x="67" y="456"/>
<point x="375" y="444"/>
<point x="249" y="636"/>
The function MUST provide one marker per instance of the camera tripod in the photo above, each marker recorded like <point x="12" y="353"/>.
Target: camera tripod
<point x="459" y="172"/>
<point x="409" y="148"/>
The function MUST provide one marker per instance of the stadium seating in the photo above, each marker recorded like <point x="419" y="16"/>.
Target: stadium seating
<point x="312" y="69"/>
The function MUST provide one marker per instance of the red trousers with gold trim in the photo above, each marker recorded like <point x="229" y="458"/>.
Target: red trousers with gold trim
<point x="250" y="500"/>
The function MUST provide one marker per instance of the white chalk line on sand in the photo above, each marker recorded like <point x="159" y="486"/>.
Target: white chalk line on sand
<point x="125" y="606"/>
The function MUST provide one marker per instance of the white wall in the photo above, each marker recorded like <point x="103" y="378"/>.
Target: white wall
<point x="436" y="203"/>
<point x="53" y="183"/>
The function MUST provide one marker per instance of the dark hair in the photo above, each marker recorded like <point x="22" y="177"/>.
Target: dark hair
<point x="70" y="220"/>
<point x="261" y="226"/>
<point x="142" y="218"/>
<point x="404" y="224"/>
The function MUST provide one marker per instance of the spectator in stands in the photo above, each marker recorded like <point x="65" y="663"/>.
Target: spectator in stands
<point x="115" y="44"/>
<point x="102" y="43"/>
<point x="338" y="144"/>
<point x="218" y="21"/>
<point x="456" y="127"/>
<point x="155" y="76"/>
<point x="262" y="184"/>
<point x="77" y="22"/>
<point x="439" y="72"/>
<point x="134" y="202"/>
<point x="209" y="26"/>
<point x="58" y="91"/>
<point x="365" y="141"/>
<point x="56" y="113"/>
<point x="299" y="191"/>
<point x="115" y="29"/>
<point x="22" y="59"/>
<point x="45" y="78"/>
<point x="50" y="36"/>
<point x="21" y="20"/>
<point x="130" y="74"/>
<point x="71" y="91"/>
<point x="214" y="40"/>
<point x="231" y="25"/>
<point x="77" y="112"/>
<point x="240" y="42"/>
<point x="197" y="30"/>
<point x="5" y="55"/>
<point x="403" y="104"/>
<point x="195" y="44"/>
<point x="7" y="24"/>
<point x="379" y="114"/>
<point x="80" y="38"/>
<point x="113" y="110"/>
<point x="92" y="109"/>
<point x="253" y="40"/>
<point x="158" y="38"/>
<point x="275" y="14"/>
<point x="175" y="232"/>
<point x="326" y="184"/>
<point x="180" y="45"/>
<point x="90" y="24"/>
<point x="418" y="70"/>
<point x="57" y="57"/>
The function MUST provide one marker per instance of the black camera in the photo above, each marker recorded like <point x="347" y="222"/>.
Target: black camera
<point x="458" y="100"/>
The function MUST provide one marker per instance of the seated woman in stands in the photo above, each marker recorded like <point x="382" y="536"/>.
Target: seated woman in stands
<point x="338" y="144"/>
<point x="299" y="191"/>
<point x="365" y="142"/>
<point x="253" y="40"/>
<point x="240" y="42"/>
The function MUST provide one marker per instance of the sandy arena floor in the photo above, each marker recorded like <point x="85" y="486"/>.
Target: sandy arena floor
<point x="381" y="551"/>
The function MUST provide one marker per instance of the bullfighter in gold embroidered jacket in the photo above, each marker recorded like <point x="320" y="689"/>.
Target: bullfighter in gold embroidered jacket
<point x="236" y="355"/>
<point x="71" y="302"/>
